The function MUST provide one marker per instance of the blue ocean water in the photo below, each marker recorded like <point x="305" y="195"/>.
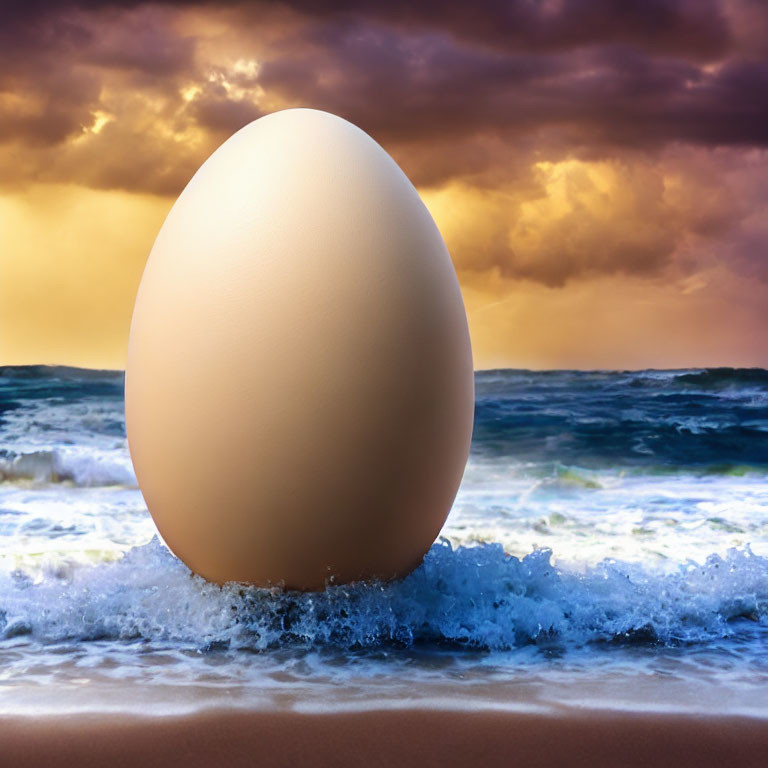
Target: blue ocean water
<point x="609" y="544"/>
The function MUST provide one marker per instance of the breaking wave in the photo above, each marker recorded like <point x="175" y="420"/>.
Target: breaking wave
<point x="473" y="597"/>
<point x="77" y="467"/>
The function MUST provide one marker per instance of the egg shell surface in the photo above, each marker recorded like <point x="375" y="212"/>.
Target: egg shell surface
<point x="299" y="386"/>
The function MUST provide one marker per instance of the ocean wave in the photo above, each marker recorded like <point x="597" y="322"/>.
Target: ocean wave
<point x="474" y="597"/>
<point x="83" y="468"/>
<point x="681" y="420"/>
<point x="699" y="419"/>
<point x="723" y="378"/>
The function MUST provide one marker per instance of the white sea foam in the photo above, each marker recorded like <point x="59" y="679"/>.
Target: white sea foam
<point x="82" y="443"/>
<point x="80" y="466"/>
<point x="473" y="597"/>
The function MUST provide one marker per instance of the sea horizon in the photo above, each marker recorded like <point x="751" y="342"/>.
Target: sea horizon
<point x="66" y="366"/>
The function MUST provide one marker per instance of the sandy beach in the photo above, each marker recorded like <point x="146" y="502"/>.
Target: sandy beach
<point x="423" y="738"/>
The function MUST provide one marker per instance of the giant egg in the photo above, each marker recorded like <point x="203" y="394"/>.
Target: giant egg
<point x="299" y="389"/>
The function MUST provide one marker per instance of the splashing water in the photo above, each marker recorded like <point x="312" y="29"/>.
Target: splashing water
<point x="606" y="521"/>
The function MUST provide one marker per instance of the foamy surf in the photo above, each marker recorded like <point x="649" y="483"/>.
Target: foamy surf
<point x="469" y="597"/>
<point x="86" y="468"/>
<point x="611" y="529"/>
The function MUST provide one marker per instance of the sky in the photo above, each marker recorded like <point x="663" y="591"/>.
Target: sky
<point x="598" y="169"/>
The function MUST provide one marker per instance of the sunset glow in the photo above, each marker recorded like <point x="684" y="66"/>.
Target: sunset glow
<point x="599" y="171"/>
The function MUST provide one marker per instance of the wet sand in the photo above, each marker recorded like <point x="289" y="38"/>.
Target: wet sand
<point x="423" y="738"/>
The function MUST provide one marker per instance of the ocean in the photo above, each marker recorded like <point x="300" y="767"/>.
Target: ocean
<point x="608" y="548"/>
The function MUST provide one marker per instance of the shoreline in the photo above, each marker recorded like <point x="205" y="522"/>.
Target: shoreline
<point x="386" y="737"/>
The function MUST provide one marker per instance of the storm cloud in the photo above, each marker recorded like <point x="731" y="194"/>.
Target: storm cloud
<point x="566" y="127"/>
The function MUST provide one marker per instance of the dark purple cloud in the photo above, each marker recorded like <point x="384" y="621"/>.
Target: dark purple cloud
<point x="689" y="27"/>
<point x="602" y="72"/>
<point x="471" y="93"/>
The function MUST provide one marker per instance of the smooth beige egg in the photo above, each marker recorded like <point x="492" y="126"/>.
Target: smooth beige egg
<point x="299" y="389"/>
